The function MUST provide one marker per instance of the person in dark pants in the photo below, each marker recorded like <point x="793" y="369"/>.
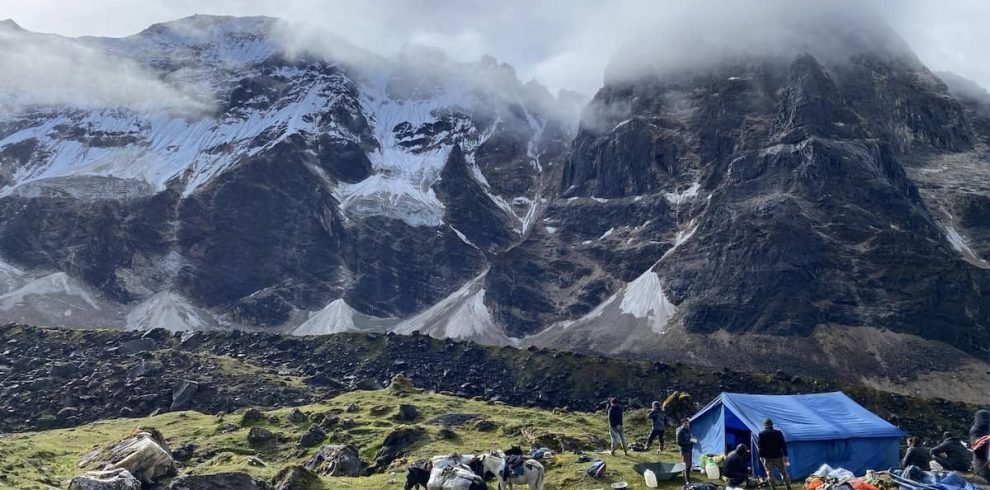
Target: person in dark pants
<point x="952" y="454"/>
<point x="685" y="442"/>
<point x="736" y="466"/>
<point x="773" y="452"/>
<point x="917" y="455"/>
<point x="659" y="419"/>
<point x="615" y="427"/>
<point x="979" y="440"/>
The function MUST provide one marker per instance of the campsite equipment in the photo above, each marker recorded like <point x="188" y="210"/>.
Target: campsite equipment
<point x="597" y="469"/>
<point x="820" y="428"/>
<point x="650" y="479"/>
<point x="620" y="484"/>
<point x="711" y="471"/>
<point x="663" y="471"/>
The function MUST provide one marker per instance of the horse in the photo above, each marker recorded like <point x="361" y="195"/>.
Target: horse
<point x="418" y="474"/>
<point x="533" y="472"/>
<point x="455" y="477"/>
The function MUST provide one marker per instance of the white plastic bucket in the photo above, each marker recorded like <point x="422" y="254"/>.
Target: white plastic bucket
<point x="711" y="470"/>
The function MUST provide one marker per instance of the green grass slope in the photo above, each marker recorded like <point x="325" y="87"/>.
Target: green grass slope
<point x="49" y="459"/>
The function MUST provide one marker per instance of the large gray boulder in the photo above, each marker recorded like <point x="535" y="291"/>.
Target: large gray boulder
<point x="336" y="460"/>
<point x="119" y="479"/>
<point x="218" y="481"/>
<point x="296" y="478"/>
<point x="183" y="394"/>
<point x="145" y="455"/>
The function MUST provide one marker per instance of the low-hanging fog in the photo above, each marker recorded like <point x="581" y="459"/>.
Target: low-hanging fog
<point x="564" y="44"/>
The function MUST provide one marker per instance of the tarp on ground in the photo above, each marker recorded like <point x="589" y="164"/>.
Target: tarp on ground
<point x="823" y="428"/>
<point x="664" y="471"/>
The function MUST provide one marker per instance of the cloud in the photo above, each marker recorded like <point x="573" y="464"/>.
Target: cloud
<point x="50" y="70"/>
<point x="562" y="43"/>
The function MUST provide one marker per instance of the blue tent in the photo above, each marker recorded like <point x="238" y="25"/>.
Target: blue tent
<point x="825" y="428"/>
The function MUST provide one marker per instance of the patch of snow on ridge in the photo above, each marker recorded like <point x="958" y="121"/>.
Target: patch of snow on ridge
<point x="167" y="310"/>
<point x="51" y="285"/>
<point x="677" y="198"/>
<point x="462" y="315"/>
<point x="644" y="298"/>
<point x="337" y="317"/>
<point x="382" y="195"/>
<point x="10" y="277"/>
<point x="959" y="245"/>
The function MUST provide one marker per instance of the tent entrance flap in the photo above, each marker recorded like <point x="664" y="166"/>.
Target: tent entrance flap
<point x="736" y="432"/>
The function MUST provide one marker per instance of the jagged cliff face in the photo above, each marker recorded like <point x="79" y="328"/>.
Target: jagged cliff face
<point x="385" y="184"/>
<point x="826" y="213"/>
<point x="781" y="197"/>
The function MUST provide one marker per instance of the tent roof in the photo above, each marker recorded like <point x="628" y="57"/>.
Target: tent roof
<point x="816" y="417"/>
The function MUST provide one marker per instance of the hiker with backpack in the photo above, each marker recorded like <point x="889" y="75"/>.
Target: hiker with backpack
<point x="659" y="419"/>
<point x="773" y="452"/>
<point x="615" y="426"/>
<point x="686" y="442"/>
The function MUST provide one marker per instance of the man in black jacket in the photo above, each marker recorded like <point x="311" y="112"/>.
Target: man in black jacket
<point x="686" y="441"/>
<point x="773" y="452"/>
<point x="736" y="466"/>
<point x="952" y="455"/>
<point x="615" y="427"/>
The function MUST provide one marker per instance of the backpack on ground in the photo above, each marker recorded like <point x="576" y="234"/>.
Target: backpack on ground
<point x="700" y="486"/>
<point x="597" y="469"/>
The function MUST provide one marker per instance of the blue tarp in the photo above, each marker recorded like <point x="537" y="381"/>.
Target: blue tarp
<point x="824" y="428"/>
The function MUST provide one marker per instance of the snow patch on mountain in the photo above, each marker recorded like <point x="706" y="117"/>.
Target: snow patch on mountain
<point x="677" y="198"/>
<point x="339" y="317"/>
<point x="959" y="245"/>
<point x="644" y="298"/>
<point x="58" y="283"/>
<point x="168" y="310"/>
<point x="462" y="315"/>
<point x="10" y="277"/>
<point x="57" y="299"/>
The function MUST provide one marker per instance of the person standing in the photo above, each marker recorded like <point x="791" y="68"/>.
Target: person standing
<point x="615" y="426"/>
<point x="773" y="452"/>
<point x="659" y="419"/>
<point x="917" y="455"/>
<point x="685" y="442"/>
<point x="979" y="440"/>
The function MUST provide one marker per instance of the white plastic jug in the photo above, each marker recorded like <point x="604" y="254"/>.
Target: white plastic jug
<point x="711" y="471"/>
<point x="651" y="479"/>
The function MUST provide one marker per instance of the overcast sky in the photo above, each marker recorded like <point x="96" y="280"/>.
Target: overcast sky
<point x="561" y="43"/>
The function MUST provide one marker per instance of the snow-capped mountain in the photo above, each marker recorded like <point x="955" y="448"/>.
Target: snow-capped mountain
<point x="300" y="183"/>
<point x="801" y="208"/>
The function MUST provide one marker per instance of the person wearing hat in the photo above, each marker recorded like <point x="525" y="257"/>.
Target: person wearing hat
<point x="659" y="419"/>
<point x="773" y="452"/>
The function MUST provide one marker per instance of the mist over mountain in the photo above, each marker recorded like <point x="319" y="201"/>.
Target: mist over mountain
<point x="762" y="185"/>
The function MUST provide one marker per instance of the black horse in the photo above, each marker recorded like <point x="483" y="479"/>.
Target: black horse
<point x="418" y="474"/>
